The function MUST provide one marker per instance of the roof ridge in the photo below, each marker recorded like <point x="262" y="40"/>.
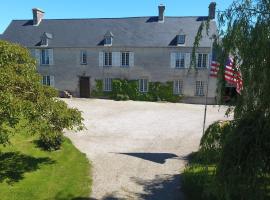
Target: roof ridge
<point x="111" y="18"/>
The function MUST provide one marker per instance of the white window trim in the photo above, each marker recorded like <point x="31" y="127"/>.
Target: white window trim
<point x="47" y="80"/>
<point x="81" y="59"/>
<point x="105" y="41"/>
<point x="206" y="61"/>
<point x="104" y="59"/>
<point x="179" y="89"/>
<point x="199" y="88"/>
<point x="181" y="44"/>
<point x="179" y="56"/>
<point x="126" y="61"/>
<point x="107" y="84"/>
<point x="144" y="88"/>
<point x="47" y="56"/>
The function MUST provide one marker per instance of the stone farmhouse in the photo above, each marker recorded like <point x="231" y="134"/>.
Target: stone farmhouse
<point x="72" y="54"/>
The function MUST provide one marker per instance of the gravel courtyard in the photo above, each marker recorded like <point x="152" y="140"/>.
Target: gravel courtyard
<point x="138" y="149"/>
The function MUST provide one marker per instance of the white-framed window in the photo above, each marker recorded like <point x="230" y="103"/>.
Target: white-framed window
<point x="125" y="59"/>
<point x="180" y="60"/>
<point x="45" y="57"/>
<point x="202" y="60"/>
<point x="107" y="59"/>
<point x="143" y="85"/>
<point x="47" y="80"/>
<point x="107" y="84"/>
<point x="181" y="39"/>
<point x="178" y="87"/>
<point x="199" y="88"/>
<point x="108" y="41"/>
<point x="83" y="57"/>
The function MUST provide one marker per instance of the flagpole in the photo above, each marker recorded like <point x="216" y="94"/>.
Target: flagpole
<point x="207" y="86"/>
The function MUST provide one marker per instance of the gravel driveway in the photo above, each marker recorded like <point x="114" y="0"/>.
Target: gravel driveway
<point x="138" y="149"/>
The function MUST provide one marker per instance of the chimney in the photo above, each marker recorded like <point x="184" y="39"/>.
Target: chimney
<point x="161" y="9"/>
<point x="212" y="10"/>
<point x="37" y="16"/>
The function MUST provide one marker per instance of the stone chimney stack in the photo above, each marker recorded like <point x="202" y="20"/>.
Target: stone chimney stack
<point x="37" y="16"/>
<point x="161" y="9"/>
<point x="212" y="10"/>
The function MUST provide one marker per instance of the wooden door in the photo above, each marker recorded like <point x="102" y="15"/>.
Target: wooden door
<point x="84" y="87"/>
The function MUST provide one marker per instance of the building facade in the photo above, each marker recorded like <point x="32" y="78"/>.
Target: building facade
<point x="72" y="54"/>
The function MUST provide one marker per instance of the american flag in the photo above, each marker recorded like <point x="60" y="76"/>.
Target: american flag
<point x="214" y="69"/>
<point x="233" y="75"/>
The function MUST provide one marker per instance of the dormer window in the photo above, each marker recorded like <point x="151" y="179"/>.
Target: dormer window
<point x="108" y="39"/>
<point x="44" y="42"/>
<point x="181" y="39"/>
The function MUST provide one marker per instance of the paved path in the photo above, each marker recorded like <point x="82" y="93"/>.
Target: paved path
<point x="138" y="149"/>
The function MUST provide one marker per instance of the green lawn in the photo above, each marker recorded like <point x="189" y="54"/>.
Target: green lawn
<point x="27" y="172"/>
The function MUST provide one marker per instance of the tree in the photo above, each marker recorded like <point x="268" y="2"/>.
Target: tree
<point x="244" y="168"/>
<point x="26" y="104"/>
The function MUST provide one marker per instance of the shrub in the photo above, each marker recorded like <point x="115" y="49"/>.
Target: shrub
<point x="212" y="141"/>
<point x="50" y="141"/>
<point x="128" y="89"/>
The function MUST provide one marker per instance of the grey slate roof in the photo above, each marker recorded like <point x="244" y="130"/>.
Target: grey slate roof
<point x="127" y="32"/>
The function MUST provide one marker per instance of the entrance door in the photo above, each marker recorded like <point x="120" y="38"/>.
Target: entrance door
<point x="84" y="87"/>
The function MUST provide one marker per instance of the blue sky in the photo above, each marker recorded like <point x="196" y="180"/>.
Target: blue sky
<point x="58" y="9"/>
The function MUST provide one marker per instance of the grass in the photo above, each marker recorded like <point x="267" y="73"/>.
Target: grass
<point x="198" y="179"/>
<point x="28" y="172"/>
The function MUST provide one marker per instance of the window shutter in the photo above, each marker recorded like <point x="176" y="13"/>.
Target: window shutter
<point x="131" y="59"/>
<point x="209" y="60"/>
<point x="37" y="56"/>
<point x="197" y="57"/>
<point x="101" y="54"/>
<point x="50" y="56"/>
<point x="187" y="60"/>
<point x="116" y="59"/>
<point x="52" y="81"/>
<point x="173" y="56"/>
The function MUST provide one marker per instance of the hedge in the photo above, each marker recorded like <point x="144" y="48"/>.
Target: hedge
<point x="129" y="90"/>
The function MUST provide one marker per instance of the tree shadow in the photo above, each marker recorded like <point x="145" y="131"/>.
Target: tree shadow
<point x="162" y="187"/>
<point x="13" y="165"/>
<point x="153" y="157"/>
<point x="62" y="196"/>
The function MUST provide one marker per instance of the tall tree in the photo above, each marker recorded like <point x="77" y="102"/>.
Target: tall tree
<point x="26" y="104"/>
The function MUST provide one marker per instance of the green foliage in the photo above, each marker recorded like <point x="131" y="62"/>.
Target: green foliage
<point x="198" y="182"/>
<point x="212" y="142"/>
<point x="50" y="140"/>
<point x="28" y="172"/>
<point x="242" y="155"/>
<point x="129" y="90"/>
<point x="244" y="167"/>
<point x="25" y="102"/>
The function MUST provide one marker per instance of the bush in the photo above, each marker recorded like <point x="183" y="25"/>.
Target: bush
<point x="212" y="141"/>
<point x="50" y="141"/>
<point x="129" y="89"/>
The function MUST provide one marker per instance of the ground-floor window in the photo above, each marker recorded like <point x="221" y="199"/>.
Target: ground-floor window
<point x="178" y="87"/>
<point x="143" y="85"/>
<point x="48" y="80"/>
<point x="199" y="88"/>
<point x="107" y="84"/>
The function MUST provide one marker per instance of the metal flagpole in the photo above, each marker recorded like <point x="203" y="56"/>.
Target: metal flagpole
<point x="207" y="85"/>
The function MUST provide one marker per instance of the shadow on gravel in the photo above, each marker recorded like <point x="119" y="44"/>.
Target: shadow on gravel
<point x="153" y="157"/>
<point x="162" y="187"/>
